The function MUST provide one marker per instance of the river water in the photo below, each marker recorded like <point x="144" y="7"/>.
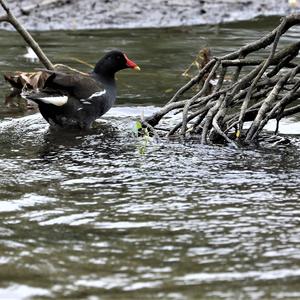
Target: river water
<point x="105" y="215"/>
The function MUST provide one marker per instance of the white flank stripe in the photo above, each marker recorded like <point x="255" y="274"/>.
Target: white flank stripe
<point x="58" y="101"/>
<point x="97" y="94"/>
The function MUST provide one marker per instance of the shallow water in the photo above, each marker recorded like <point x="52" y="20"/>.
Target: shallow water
<point x="87" y="215"/>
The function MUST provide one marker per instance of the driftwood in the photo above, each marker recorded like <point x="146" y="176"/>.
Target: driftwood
<point x="236" y="88"/>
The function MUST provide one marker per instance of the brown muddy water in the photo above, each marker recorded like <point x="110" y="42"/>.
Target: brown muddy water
<point x="87" y="215"/>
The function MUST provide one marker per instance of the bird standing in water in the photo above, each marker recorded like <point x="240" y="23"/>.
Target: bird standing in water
<point x="76" y="99"/>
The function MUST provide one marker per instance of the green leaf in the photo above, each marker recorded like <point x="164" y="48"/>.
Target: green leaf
<point x="136" y="127"/>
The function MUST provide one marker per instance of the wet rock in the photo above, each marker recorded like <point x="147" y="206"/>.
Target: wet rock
<point x="90" y="14"/>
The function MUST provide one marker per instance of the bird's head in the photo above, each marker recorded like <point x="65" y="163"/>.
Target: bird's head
<point x="113" y="62"/>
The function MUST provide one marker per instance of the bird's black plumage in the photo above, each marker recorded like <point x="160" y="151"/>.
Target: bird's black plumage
<point x="77" y="99"/>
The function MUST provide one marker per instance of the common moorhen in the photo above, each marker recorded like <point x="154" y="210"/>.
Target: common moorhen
<point x="77" y="99"/>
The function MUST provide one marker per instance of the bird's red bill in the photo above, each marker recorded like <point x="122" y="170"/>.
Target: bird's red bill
<point x="131" y="64"/>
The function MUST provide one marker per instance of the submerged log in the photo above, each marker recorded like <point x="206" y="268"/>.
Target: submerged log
<point x="245" y="88"/>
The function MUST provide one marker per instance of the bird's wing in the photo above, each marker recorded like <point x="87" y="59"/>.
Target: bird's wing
<point x="59" y="88"/>
<point x="76" y="84"/>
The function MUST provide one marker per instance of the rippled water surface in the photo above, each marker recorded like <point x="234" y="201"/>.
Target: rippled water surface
<point x="87" y="215"/>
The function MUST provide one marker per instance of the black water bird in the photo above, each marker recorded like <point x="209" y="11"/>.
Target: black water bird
<point x="77" y="99"/>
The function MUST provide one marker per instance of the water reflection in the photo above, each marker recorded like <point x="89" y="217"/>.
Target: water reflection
<point x="57" y="140"/>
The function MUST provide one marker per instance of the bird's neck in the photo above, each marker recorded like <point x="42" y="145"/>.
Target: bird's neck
<point x="107" y="79"/>
<point x="104" y="71"/>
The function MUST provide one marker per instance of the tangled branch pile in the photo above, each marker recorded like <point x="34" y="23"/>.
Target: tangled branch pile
<point x="245" y="89"/>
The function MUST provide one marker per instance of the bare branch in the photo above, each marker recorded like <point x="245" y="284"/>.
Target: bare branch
<point x="25" y="35"/>
<point x="253" y="90"/>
